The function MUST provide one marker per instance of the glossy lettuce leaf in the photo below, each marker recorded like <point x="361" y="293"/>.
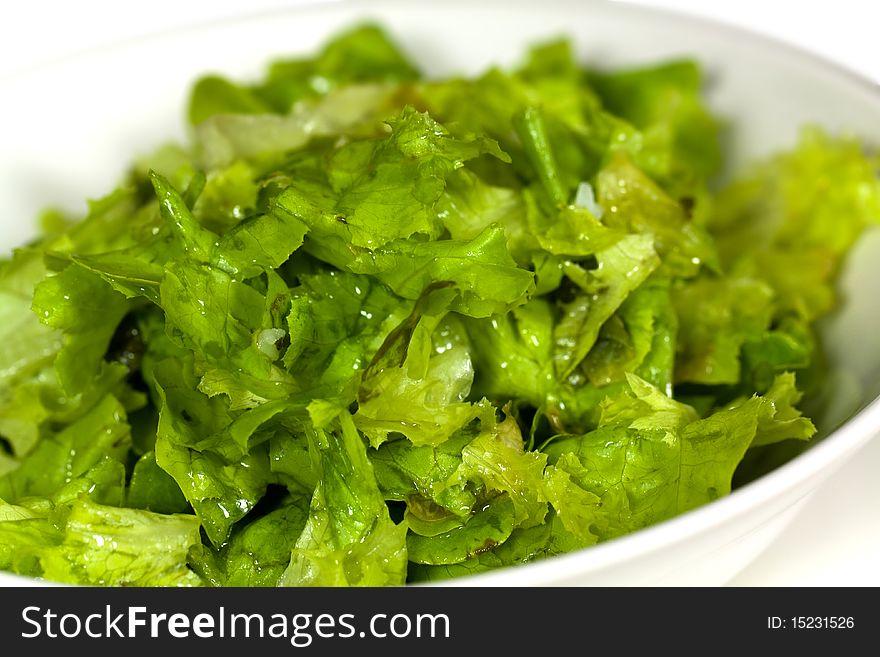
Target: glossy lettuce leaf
<point x="469" y="501"/>
<point x="573" y="230"/>
<point x="489" y="526"/>
<point x="640" y="337"/>
<point x="679" y="142"/>
<point x="349" y="538"/>
<point x="24" y="537"/>
<point x="87" y="310"/>
<point x="782" y="420"/>
<point x="470" y="204"/>
<point x="523" y="546"/>
<point x="482" y="270"/>
<point x="108" y="546"/>
<point x="574" y="507"/>
<point x="544" y="114"/>
<point x="57" y="459"/>
<point x="221" y="477"/>
<point x="717" y="316"/>
<point x="291" y="464"/>
<point x="258" y="552"/>
<point x="424" y="477"/>
<point x="496" y="461"/>
<point x="516" y="356"/>
<point x="493" y="473"/>
<point x="153" y="489"/>
<point x="371" y="192"/>
<point x="103" y="483"/>
<point x="621" y="269"/>
<point x="413" y="388"/>
<point x="28" y="349"/>
<point x="39" y="363"/>
<point x="337" y="323"/>
<point x="635" y="203"/>
<point x="652" y="457"/>
<point x="513" y="354"/>
<point x="791" y="346"/>
<point x="80" y="535"/>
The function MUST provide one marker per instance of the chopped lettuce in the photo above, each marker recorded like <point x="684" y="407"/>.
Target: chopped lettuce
<point x="349" y="538"/>
<point x="368" y="328"/>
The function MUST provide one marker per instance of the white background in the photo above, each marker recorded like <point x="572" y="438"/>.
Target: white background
<point x="836" y="539"/>
<point x="34" y="31"/>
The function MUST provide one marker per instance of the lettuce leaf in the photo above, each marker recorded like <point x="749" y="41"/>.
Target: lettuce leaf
<point x="109" y="546"/>
<point x="652" y="458"/>
<point x="349" y="538"/>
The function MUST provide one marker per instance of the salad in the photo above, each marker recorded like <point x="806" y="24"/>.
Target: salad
<point x="367" y="328"/>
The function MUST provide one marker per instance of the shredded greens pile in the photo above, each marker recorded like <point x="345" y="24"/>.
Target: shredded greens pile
<point x="372" y="329"/>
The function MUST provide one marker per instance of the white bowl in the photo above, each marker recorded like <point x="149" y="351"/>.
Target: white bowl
<point x="76" y="125"/>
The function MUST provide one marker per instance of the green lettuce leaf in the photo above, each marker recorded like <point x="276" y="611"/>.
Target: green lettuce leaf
<point x="794" y="236"/>
<point x="258" y="552"/>
<point x="679" y="143"/>
<point x="372" y="192"/>
<point x="362" y="54"/>
<point x="59" y="458"/>
<point x="349" y="538"/>
<point x="653" y="458"/>
<point x="107" y="546"/>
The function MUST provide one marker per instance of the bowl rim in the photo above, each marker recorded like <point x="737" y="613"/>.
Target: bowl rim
<point x="813" y="465"/>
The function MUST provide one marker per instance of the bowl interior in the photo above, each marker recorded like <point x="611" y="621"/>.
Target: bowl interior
<point x="72" y="128"/>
